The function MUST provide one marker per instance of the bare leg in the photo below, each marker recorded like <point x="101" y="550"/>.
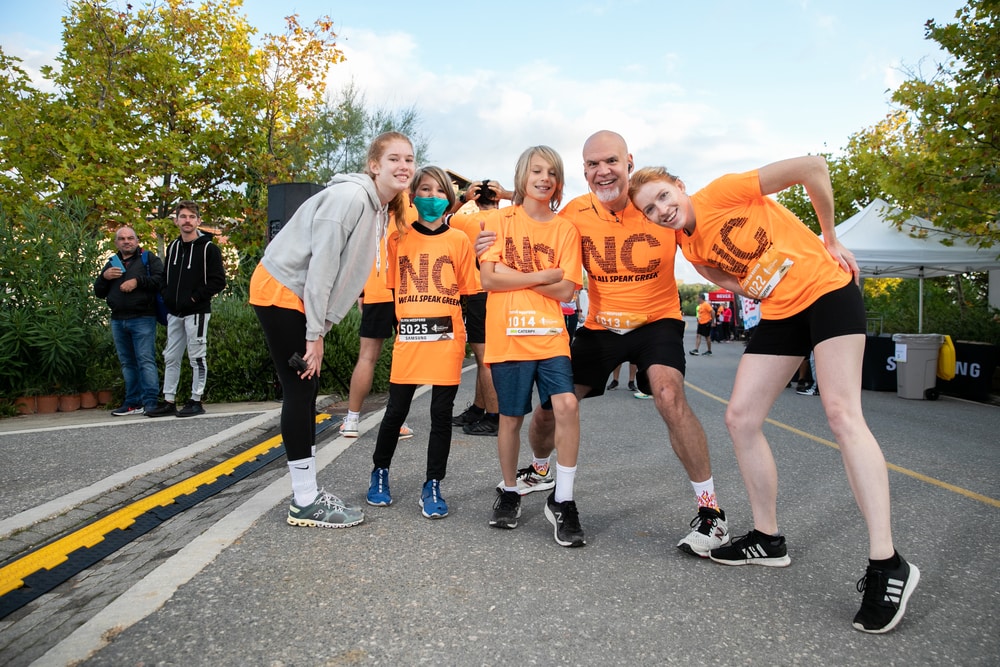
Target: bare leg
<point x="508" y="446"/>
<point x="838" y="365"/>
<point x="687" y="437"/>
<point x="486" y="393"/>
<point x="364" y="372"/>
<point x="759" y="381"/>
<point x="541" y="430"/>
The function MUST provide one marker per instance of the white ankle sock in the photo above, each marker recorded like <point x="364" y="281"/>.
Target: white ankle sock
<point x="565" y="477"/>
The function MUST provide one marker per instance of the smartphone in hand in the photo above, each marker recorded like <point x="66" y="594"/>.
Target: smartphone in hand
<point x="116" y="262"/>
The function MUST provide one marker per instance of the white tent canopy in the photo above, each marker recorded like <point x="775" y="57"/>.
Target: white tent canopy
<point x="882" y="250"/>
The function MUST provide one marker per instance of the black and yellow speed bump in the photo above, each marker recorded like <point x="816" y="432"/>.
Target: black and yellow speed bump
<point x="42" y="569"/>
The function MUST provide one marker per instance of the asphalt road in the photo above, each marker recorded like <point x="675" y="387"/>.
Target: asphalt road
<point x="230" y="583"/>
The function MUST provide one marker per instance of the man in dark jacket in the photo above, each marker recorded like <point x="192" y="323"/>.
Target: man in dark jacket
<point x="129" y="285"/>
<point x="194" y="274"/>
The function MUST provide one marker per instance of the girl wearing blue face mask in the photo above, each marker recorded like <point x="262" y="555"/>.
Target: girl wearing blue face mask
<point x="429" y="266"/>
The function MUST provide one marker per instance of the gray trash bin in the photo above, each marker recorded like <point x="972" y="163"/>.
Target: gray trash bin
<point x="916" y="364"/>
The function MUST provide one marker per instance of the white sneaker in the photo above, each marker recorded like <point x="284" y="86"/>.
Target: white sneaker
<point x="529" y="479"/>
<point x="349" y="427"/>
<point x="405" y="432"/>
<point x="710" y="532"/>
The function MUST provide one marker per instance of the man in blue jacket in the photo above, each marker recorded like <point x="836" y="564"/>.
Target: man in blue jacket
<point x="194" y="274"/>
<point x="129" y="285"/>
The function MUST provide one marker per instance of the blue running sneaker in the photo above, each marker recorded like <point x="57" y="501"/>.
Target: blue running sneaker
<point x="434" y="506"/>
<point x="378" y="488"/>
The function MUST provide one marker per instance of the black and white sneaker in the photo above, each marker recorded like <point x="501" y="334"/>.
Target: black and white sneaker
<point x="470" y="415"/>
<point x="754" y="548"/>
<point x="506" y="509"/>
<point x="710" y="531"/>
<point x="885" y="593"/>
<point x="565" y="520"/>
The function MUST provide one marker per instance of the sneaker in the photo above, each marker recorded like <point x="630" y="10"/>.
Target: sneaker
<point x="710" y="532"/>
<point x="378" y="488"/>
<point x="529" y="479"/>
<point x="486" y="426"/>
<point x="126" y="411"/>
<point x="349" y="427"/>
<point x="631" y="386"/>
<point x="471" y="415"/>
<point x="164" y="409"/>
<point x="754" y="548"/>
<point x="191" y="409"/>
<point x="885" y="595"/>
<point x="506" y="509"/>
<point x="405" y="432"/>
<point x="811" y="390"/>
<point x="693" y="353"/>
<point x="800" y="386"/>
<point x="707" y="353"/>
<point x="432" y="504"/>
<point x="326" y="511"/>
<point x="565" y="521"/>
<point x="612" y="385"/>
<point x="642" y="396"/>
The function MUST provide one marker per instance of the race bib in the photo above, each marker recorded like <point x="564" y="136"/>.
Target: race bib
<point x="765" y="275"/>
<point x="529" y="323"/>
<point x="619" y="322"/>
<point x="424" y="329"/>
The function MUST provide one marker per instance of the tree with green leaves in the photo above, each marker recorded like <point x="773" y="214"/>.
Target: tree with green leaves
<point x="164" y="102"/>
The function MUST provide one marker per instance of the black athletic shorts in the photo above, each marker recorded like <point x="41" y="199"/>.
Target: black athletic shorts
<point x="475" y="317"/>
<point x="597" y="352"/>
<point x="704" y="329"/>
<point x="837" y="313"/>
<point x="378" y="320"/>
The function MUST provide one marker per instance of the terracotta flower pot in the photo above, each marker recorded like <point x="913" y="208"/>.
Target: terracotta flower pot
<point x="104" y="396"/>
<point x="69" y="403"/>
<point x="25" y="405"/>
<point x="46" y="405"/>
<point x="88" y="400"/>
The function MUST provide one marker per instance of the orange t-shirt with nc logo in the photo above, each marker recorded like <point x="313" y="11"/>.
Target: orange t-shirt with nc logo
<point x="751" y="236"/>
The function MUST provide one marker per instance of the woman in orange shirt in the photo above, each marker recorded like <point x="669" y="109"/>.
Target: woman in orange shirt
<point x="743" y="240"/>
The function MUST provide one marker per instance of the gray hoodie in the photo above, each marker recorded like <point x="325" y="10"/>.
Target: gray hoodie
<point x="325" y="251"/>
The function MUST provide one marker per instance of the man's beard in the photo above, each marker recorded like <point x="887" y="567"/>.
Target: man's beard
<point x="607" y="195"/>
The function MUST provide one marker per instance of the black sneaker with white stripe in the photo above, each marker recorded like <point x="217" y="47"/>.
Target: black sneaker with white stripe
<point x="754" y="548"/>
<point x="885" y="593"/>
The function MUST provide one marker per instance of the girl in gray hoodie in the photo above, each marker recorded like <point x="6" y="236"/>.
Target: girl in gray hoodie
<point x="311" y="274"/>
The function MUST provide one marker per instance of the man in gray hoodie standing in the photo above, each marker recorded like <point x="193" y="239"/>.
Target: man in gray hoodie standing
<point x="194" y="274"/>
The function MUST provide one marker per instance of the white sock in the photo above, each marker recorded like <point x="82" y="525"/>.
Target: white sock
<point x="565" y="476"/>
<point x="540" y="464"/>
<point x="704" y="493"/>
<point x="304" y="480"/>
<point x="351" y="414"/>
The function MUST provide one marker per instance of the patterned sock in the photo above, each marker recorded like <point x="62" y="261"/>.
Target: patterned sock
<point x="541" y="465"/>
<point x="704" y="493"/>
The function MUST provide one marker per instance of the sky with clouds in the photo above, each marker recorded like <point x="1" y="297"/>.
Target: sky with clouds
<point x="704" y="88"/>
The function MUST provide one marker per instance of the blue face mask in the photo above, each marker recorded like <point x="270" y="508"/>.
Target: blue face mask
<point x="430" y="208"/>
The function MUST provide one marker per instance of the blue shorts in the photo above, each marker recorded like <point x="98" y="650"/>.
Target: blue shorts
<point x="513" y="381"/>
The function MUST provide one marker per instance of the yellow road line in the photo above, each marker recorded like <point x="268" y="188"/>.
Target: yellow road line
<point x="12" y="576"/>
<point x="972" y="495"/>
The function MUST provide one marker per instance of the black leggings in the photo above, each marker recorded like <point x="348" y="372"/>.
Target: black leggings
<point x="285" y="333"/>
<point x="439" y="440"/>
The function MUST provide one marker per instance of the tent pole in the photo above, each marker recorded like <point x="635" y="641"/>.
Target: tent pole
<point x="920" y="304"/>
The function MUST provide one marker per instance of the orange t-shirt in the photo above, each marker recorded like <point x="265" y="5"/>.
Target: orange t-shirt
<point x="523" y="325"/>
<point x="704" y="312"/>
<point x="265" y="290"/>
<point x="375" y="289"/>
<point x="629" y="263"/>
<point x="467" y="223"/>
<point x="751" y="236"/>
<point x="429" y="271"/>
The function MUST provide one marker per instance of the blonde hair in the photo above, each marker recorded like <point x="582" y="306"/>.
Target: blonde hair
<point x="522" y="169"/>
<point x="376" y="150"/>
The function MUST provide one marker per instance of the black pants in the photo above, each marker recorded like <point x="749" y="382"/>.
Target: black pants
<point x="439" y="439"/>
<point x="285" y="333"/>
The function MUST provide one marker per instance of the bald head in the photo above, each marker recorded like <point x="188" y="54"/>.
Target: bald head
<point x="606" y="166"/>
